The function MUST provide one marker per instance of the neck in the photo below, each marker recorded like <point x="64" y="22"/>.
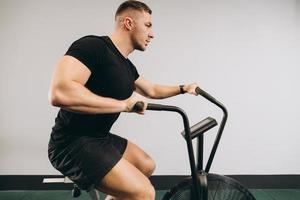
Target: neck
<point x="122" y="43"/>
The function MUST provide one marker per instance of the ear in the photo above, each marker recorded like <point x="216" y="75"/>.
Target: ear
<point x="128" y="23"/>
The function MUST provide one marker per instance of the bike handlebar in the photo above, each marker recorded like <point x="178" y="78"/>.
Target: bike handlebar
<point x="138" y="107"/>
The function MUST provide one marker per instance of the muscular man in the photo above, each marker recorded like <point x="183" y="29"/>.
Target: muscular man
<point x="92" y="84"/>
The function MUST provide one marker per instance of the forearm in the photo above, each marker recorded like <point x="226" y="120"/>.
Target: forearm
<point x="75" y="97"/>
<point x="162" y="91"/>
<point x="157" y="91"/>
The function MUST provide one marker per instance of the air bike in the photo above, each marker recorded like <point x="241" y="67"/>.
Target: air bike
<point x="202" y="185"/>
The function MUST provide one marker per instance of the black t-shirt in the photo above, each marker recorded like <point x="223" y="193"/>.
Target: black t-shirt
<point x="112" y="75"/>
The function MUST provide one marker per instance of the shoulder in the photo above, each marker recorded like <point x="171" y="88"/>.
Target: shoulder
<point x="87" y="50"/>
<point x="90" y="40"/>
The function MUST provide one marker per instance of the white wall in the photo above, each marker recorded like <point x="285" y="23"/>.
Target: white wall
<point x="243" y="52"/>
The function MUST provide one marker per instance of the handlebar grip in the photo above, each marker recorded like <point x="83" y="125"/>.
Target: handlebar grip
<point x="138" y="106"/>
<point x="204" y="94"/>
<point x="198" y="90"/>
<point x="154" y="106"/>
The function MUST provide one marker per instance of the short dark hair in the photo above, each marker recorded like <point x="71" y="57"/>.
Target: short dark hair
<point x="133" y="4"/>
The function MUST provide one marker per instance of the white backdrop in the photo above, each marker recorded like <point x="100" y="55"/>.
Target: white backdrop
<point x="242" y="52"/>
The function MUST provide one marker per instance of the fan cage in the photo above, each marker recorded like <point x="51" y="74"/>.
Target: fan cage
<point x="219" y="188"/>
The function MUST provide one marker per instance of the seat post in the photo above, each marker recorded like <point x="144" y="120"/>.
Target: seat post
<point x="200" y="153"/>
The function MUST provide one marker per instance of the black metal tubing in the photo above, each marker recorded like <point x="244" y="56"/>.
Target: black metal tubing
<point x="201" y="127"/>
<point x="200" y="148"/>
<point x="221" y="128"/>
<point x="159" y="107"/>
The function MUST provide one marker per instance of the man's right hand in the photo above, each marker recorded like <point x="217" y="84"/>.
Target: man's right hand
<point x="132" y="100"/>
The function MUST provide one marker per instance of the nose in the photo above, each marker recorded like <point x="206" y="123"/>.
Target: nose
<point x="150" y="35"/>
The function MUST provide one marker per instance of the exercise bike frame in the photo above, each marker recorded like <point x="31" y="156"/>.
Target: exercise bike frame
<point x="199" y="182"/>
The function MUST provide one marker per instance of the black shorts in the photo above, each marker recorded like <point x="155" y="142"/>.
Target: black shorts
<point x="85" y="159"/>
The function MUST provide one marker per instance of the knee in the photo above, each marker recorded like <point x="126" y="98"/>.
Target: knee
<point x="150" y="192"/>
<point x="147" y="192"/>
<point x="149" y="167"/>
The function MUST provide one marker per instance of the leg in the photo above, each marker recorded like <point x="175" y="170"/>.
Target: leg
<point x="141" y="160"/>
<point x="126" y="182"/>
<point x="138" y="158"/>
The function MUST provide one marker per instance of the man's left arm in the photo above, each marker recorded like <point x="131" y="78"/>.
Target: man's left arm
<point x="157" y="91"/>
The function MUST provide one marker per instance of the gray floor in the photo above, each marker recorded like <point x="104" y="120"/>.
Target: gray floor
<point x="260" y="194"/>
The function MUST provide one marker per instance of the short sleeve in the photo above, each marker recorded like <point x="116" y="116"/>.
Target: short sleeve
<point x="134" y="70"/>
<point x="84" y="50"/>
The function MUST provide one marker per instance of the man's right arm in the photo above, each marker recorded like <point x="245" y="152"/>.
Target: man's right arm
<point x="67" y="90"/>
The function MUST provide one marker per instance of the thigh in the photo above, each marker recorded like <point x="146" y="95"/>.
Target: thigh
<point x="134" y="154"/>
<point x="139" y="158"/>
<point x="124" y="180"/>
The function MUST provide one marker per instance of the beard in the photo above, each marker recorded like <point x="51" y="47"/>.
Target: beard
<point x="137" y="45"/>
